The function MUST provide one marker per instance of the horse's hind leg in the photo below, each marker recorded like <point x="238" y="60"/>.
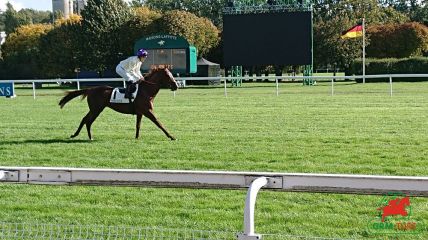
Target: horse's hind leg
<point x="149" y="114"/>
<point x="88" y="120"/>
<point x="81" y="125"/>
<point x="91" y="118"/>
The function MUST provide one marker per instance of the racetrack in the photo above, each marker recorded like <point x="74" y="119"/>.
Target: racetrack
<point x="360" y="130"/>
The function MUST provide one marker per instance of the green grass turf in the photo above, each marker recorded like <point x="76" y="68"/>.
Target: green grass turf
<point x="359" y="130"/>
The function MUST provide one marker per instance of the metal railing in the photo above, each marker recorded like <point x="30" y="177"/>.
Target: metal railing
<point x="225" y="80"/>
<point x="254" y="181"/>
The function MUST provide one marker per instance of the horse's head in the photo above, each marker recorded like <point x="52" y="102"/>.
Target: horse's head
<point x="171" y="83"/>
<point x="164" y="77"/>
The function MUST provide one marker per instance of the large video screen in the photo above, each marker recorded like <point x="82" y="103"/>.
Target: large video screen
<point x="174" y="58"/>
<point x="267" y="39"/>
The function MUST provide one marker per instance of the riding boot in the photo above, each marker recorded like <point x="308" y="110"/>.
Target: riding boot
<point x="128" y="92"/>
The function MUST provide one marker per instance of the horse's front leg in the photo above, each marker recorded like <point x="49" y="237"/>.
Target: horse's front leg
<point x="149" y="114"/>
<point x="139" y="117"/>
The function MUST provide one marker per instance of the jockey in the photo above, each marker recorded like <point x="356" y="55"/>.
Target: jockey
<point x="129" y="69"/>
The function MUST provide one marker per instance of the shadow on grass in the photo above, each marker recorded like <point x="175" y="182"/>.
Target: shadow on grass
<point x="45" y="141"/>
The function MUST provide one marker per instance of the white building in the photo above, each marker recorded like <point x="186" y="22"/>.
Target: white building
<point x="68" y="7"/>
<point x="64" y="6"/>
<point x="78" y="6"/>
<point x="2" y="37"/>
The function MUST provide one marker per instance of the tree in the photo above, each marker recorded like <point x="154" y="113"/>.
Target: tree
<point x="21" y="51"/>
<point x="198" y="31"/>
<point x="421" y="13"/>
<point x="140" y="24"/>
<point x="332" y="17"/>
<point x="2" y="20"/>
<point x="60" y="51"/>
<point x="398" y="40"/>
<point x="11" y="18"/>
<point x="14" y="19"/>
<point x="136" y="3"/>
<point x="101" y="22"/>
<point x="211" y="9"/>
<point x="36" y="16"/>
<point x="329" y="49"/>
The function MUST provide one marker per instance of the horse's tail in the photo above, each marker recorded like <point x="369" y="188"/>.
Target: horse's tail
<point x="71" y="95"/>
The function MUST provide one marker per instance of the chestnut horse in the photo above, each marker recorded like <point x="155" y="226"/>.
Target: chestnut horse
<point x="99" y="97"/>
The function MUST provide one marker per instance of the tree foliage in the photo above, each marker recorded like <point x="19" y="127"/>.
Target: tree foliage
<point x="108" y="29"/>
<point x="60" y="48"/>
<point x="332" y="17"/>
<point x="198" y="31"/>
<point x="106" y="33"/>
<point x="35" y="16"/>
<point x="417" y="10"/>
<point x="21" y="51"/>
<point x="140" y="24"/>
<point x="398" y="40"/>
<point x="329" y="49"/>
<point x="13" y="19"/>
<point x="2" y="20"/>
<point x="136" y="3"/>
<point x="102" y="20"/>
<point x="356" y="10"/>
<point x="211" y="9"/>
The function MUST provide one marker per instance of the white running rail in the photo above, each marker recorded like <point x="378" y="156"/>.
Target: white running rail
<point x="301" y="182"/>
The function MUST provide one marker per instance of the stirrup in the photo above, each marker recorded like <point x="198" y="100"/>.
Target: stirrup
<point x="130" y="97"/>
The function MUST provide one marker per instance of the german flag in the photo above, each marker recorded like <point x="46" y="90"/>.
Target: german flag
<point x="355" y="31"/>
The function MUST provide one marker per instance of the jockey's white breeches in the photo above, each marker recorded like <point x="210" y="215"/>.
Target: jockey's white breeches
<point x="126" y="75"/>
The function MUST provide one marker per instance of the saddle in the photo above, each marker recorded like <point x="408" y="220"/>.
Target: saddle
<point x="118" y="95"/>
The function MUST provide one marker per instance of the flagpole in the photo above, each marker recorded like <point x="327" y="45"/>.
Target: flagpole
<point x="364" y="51"/>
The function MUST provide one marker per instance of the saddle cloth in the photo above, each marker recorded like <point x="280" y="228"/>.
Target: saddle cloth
<point x="118" y="95"/>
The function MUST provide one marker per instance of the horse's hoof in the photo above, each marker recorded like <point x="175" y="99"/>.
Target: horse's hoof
<point x="173" y="138"/>
<point x="72" y="136"/>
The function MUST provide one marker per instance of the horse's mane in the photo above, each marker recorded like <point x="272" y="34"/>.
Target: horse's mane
<point x="152" y="71"/>
<point x="149" y="74"/>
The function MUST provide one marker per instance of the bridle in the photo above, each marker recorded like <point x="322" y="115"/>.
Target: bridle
<point x="152" y="83"/>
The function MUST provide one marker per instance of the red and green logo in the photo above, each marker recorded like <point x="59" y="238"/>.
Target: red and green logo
<point x="394" y="216"/>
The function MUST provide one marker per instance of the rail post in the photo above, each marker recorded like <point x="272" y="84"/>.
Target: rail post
<point x="34" y="90"/>
<point x="277" y="86"/>
<point x="225" y="88"/>
<point x="250" y="204"/>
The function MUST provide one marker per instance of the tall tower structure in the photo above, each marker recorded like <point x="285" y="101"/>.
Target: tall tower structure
<point x="2" y="37"/>
<point x="64" y="6"/>
<point x="79" y="5"/>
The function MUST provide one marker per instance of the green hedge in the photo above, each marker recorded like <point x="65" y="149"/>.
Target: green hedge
<point x="416" y="65"/>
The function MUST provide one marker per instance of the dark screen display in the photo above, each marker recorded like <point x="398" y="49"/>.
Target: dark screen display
<point x="267" y="39"/>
